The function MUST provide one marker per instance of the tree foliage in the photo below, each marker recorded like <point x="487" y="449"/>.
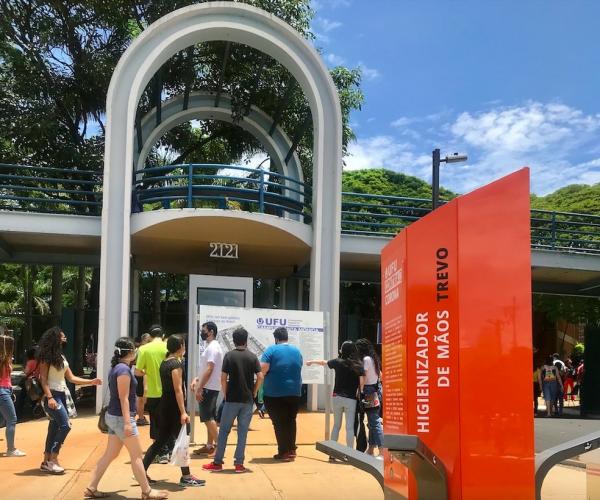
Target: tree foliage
<point x="57" y="58"/>
<point x="386" y="182"/>
<point x="578" y="198"/>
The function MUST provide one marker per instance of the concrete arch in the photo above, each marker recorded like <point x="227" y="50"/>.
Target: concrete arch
<point x="238" y="23"/>
<point x="201" y="105"/>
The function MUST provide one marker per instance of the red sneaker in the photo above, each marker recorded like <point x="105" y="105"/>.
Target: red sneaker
<point x="213" y="467"/>
<point x="239" y="468"/>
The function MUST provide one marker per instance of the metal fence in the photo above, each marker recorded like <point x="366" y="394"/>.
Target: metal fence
<point x="71" y="191"/>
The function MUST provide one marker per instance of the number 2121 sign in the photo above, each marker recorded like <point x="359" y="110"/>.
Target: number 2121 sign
<point x="223" y="250"/>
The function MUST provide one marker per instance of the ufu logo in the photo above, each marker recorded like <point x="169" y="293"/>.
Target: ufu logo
<point x="271" y="321"/>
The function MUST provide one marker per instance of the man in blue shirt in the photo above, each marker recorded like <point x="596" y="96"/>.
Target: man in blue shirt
<point x="281" y="365"/>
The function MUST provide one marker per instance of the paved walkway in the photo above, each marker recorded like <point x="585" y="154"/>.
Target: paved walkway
<point x="311" y="476"/>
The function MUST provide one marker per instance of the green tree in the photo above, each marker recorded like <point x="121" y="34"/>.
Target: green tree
<point x="371" y="210"/>
<point x="57" y="58"/>
<point x="578" y="198"/>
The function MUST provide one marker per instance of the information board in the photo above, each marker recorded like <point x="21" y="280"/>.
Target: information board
<point x="306" y="330"/>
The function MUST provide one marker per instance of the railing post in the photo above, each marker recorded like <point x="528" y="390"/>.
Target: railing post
<point x="261" y="193"/>
<point x="553" y="227"/>
<point x="190" y="199"/>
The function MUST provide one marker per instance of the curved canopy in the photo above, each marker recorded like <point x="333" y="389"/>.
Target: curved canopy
<point x="201" y="106"/>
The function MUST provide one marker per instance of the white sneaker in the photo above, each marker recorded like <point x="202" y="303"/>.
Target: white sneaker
<point x="52" y="468"/>
<point x="15" y="453"/>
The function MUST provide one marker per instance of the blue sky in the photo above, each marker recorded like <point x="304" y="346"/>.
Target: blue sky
<point x="509" y="82"/>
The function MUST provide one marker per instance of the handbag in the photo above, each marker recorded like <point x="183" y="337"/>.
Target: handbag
<point x="180" y="455"/>
<point x="34" y="388"/>
<point x="102" y="427"/>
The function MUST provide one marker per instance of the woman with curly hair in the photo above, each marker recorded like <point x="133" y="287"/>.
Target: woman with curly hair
<point x="349" y="380"/>
<point x="7" y="406"/>
<point x="54" y="369"/>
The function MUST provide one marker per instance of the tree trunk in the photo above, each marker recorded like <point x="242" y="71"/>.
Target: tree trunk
<point x="156" y="299"/>
<point x="93" y="306"/>
<point x="57" y="293"/>
<point x="29" y="276"/>
<point x="79" y="321"/>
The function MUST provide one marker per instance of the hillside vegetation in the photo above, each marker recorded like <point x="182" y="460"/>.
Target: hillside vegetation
<point x="579" y="198"/>
<point x="386" y="182"/>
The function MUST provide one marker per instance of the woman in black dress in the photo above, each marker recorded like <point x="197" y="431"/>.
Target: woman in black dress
<point x="172" y="407"/>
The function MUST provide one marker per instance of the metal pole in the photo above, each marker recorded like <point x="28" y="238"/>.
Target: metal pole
<point x="328" y="355"/>
<point x="435" y="179"/>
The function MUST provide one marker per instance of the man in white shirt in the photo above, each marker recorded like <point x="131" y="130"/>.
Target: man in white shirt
<point x="207" y="386"/>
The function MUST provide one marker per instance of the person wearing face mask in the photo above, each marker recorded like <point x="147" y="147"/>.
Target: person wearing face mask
<point x="120" y="420"/>
<point x="172" y="407"/>
<point x="208" y="385"/>
<point x="54" y="369"/>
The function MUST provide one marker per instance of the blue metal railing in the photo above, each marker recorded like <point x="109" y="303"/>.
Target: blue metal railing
<point x="72" y="191"/>
<point x="50" y="190"/>
<point x="380" y="215"/>
<point x="220" y="186"/>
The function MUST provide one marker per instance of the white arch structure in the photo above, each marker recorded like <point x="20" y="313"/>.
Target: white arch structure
<point x="201" y="106"/>
<point x="239" y="23"/>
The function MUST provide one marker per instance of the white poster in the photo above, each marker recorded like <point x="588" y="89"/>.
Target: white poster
<point x="305" y="330"/>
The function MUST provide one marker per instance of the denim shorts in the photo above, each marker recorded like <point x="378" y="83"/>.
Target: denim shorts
<point x="116" y="426"/>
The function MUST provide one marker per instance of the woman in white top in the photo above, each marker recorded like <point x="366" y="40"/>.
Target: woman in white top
<point x="54" y="369"/>
<point x="371" y="397"/>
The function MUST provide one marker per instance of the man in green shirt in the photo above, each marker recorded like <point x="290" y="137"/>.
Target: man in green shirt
<point x="149" y="358"/>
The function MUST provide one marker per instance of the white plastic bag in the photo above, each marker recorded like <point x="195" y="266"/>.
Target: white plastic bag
<point x="180" y="455"/>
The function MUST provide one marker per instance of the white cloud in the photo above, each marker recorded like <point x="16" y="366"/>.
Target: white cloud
<point x="559" y="143"/>
<point x="334" y="59"/>
<point x="327" y="25"/>
<point x="369" y="74"/>
<point x="322" y="27"/>
<point x="384" y="151"/>
<point x="529" y="128"/>
<point x="549" y="138"/>
<point x="333" y="4"/>
<point x="403" y="121"/>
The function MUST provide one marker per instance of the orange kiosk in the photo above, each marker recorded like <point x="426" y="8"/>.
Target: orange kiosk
<point x="456" y="319"/>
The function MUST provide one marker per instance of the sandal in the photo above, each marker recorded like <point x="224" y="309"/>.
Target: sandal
<point x="90" y="493"/>
<point x="155" y="494"/>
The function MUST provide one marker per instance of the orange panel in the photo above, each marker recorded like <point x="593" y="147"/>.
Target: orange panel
<point x="393" y="296"/>
<point x="433" y="336"/>
<point x="496" y="423"/>
<point x="457" y="341"/>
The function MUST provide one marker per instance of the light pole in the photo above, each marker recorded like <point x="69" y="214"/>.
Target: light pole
<point x="435" y="177"/>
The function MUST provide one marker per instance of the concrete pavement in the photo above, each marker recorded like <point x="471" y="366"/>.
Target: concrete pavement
<point x="310" y="476"/>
